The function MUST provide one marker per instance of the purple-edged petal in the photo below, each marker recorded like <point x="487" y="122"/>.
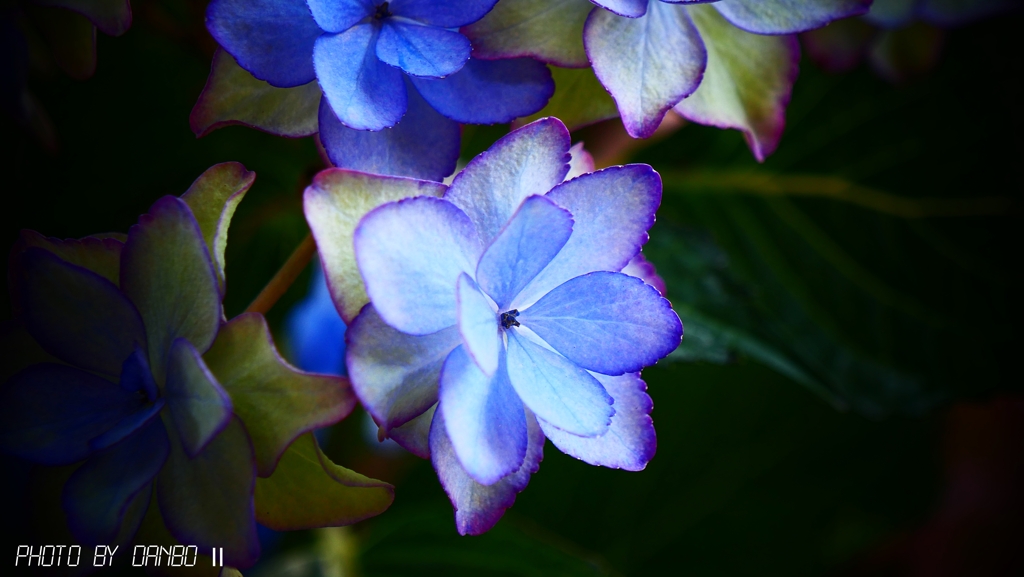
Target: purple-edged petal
<point x="532" y="237"/>
<point x="414" y="436"/>
<point x="443" y="13"/>
<point x="365" y="93"/>
<point x="97" y="495"/>
<point x="644" y="270"/>
<point x="99" y="255"/>
<point x="527" y="161"/>
<point x="208" y="500"/>
<point x="272" y="39"/>
<point x="422" y="50"/>
<point x="613" y="208"/>
<point x="747" y="83"/>
<point x="630" y="441"/>
<point x="395" y="375"/>
<point x="334" y="204"/>
<point x="788" y="16"/>
<point x="423" y="144"/>
<point x="557" y="390"/>
<point x="340" y="15"/>
<point x="549" y="30"/>
<point x="410" y="254"/>
<point x="484" y="418"/>
<point x="199" y="406"/>
<point x="478" y="325"/>
<point x="76" y="315"/>
<point x="648" y="64"/>
<point x="127" y="426"/>
<point x="113" y="17"/>
<point x="582" y="161"/>
<point x="627" y="8"/>
<point x="606" y="322"/>
<point x="137" y="376"/>
<point x="49" y="412"/>
<point x="167" y="272"/>
<point x="478" y="507"/>
<point x="489" y="91"/>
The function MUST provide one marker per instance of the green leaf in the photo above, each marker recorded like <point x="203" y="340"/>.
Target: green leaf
<point x="276" y="401"/>
<point x="307" y="490"/>
<point x="549" y="30"/>
<point x="334" y="204"/>
<point x="579" y="99"/>
<point x="213" y="198"/>
<point x="233" y="96"/>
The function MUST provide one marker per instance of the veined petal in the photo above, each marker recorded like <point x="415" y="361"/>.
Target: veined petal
<point x="340" y="15"/>
<point x="627" y="8"/>
<point x="272" y="39"/>
<point x="747" y="83"/>
<point x="334" y="204"/>
<point x="630" y="441"/>
<point x="422" y="50"/>
<point x="606" y="322"/>
<point x="199" y="406"/>
<point x="788" y="16"/>
<point x="549" y="30"/>
<point x="556" y="389"/>
<point x="49" y="412"/>
<point x="484" y="418"/>
<point x="208" y="500"/>
<point x="414" y="436"/>
<point x="74" y="314"/>
<point x="532" y="237"/>
<point x="167" y="272"/>
<point x="443" y="13"/>
<point x="644" y="270"/>
<point x="613" y="209"/>
<point x="410" y="254"/>
<point x="478" y="507"/>
<point x="395" y="375"/>
<point x="423" y="144"/>
<point x="365" y="93"/>
<point x="97" y="495"/>
<point x="489" y="91"/>
<point x="527" y="161"/>
<point x="113" y="17"/>
<point x="648" y="64"/>
<point x="478" y="325"/>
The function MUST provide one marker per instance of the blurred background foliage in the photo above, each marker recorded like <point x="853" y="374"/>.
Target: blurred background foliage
<point x="847" y="399"/>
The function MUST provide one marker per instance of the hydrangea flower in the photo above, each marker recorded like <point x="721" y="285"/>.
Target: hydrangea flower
<point x="729" y="63"/>
<point x="396" y="77"/>
<point x="498" y="314"/>
<point x="172" y="411"/>
<point x="316" y="333"/>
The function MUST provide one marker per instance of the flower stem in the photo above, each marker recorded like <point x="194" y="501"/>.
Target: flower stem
<point x="285" y="276"/>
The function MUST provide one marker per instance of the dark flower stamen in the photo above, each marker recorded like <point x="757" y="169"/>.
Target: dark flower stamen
<point x="382" y="11"/>
<point x="508" y="320"/>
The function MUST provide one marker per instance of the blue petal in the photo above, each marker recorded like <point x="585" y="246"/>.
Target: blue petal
<point x="137" y="376"/>
<point x="606" y="322"/>
<point x="395" y="375"/>
<point x="75" y="314"/>
<point x="97" y="494"/>
<point x="557" y="390"/>
<point x="490" y="91"/>
<point x="484" y="418"/>
<point x="127" y="426"/>
<point x="627" y="8"/>
<point x="648" y="64"/>
<point x="613" y="208"/>
<point x="340" y="15"/>
<point x="316" y="333"/>
<point x="365" y="93"/>
<point x="49" y="412"/>
<point x="422" y="50"/>
<point x="630" y="441"/>
<point x="423" y="145"/>
<point x="787" y="16"/>
<point x="478" y="325"/>
<point x="410" y="254"/>
<point x="414" y="436"/>
<point x="532" y="237"/>
<point x="272" y="39"/>
<point x="478" y="507"/>
<point x="443" y="13"/>
<point x="527" y="161"/>
<point x="200" y="408"/>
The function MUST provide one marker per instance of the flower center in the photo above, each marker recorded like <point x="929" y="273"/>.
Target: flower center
<point x="508" y="320"/>
<point x="382" y="11"/>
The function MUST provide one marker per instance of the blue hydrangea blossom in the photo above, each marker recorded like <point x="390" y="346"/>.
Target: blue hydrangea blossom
<point x="396" y="76"/>
<point x="500" y="317"/>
